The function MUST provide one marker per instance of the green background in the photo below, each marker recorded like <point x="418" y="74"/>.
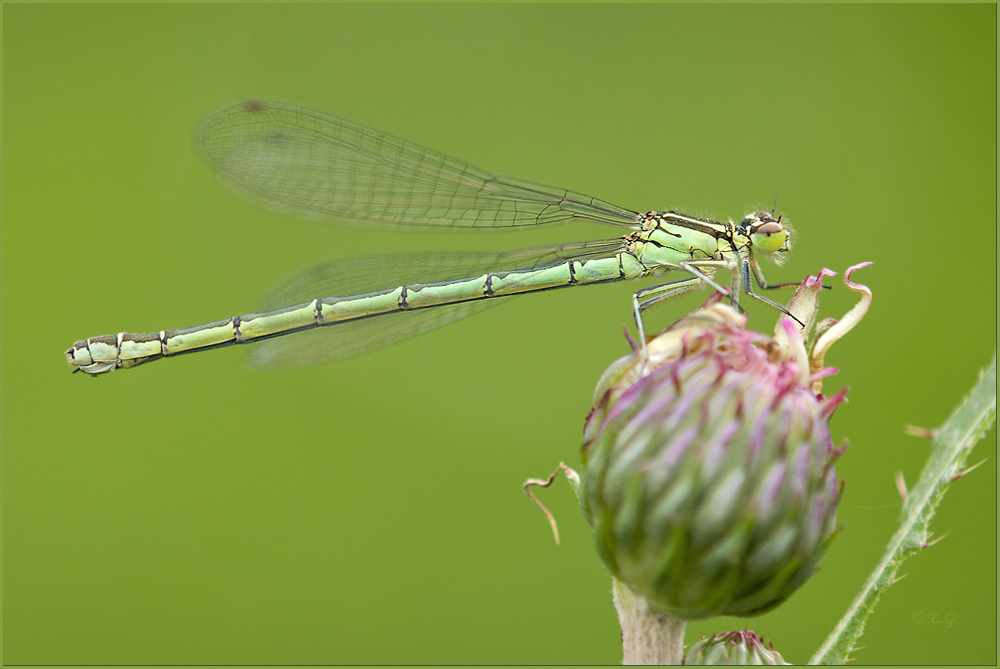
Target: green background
<point x="198" y="511"/>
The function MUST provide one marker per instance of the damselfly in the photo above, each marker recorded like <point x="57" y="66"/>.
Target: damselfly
<point x="319" y="168"/>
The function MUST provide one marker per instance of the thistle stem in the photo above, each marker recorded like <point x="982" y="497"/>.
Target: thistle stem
<point x="648" y="636"/>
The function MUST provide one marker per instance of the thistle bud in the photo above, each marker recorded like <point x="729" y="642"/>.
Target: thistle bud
<point x="739" y="648"/>
<point x="709" y="478"/>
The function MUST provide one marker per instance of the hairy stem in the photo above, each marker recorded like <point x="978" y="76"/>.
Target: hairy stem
<point x="952" y="444"/>
<point x="648" y="636"/>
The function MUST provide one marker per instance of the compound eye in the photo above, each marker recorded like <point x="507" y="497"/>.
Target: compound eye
<point x="770" y="237"/>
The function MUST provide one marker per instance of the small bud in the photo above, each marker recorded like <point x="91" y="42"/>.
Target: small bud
<point x="709" y="476"/>
<point x="733" y="648"/>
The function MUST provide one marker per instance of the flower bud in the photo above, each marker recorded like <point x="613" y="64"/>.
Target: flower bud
<point x="737" y="648"/>
<point x="709" y="476"/>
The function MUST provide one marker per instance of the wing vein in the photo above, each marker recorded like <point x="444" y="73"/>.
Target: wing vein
<point x="316" y="167"/>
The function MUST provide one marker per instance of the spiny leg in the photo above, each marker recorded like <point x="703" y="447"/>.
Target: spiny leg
<point x="647" y="297"/>
<point x="691" y="267"/>
<point x="656" y="294"/>
<point x="759" y="276"/>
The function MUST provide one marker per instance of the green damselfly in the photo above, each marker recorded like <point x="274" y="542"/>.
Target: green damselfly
<point x="319" y="168"/>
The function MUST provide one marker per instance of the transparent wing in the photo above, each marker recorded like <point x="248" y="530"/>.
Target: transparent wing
<point x="362" y="275"/>
<point x="304" y="164"/>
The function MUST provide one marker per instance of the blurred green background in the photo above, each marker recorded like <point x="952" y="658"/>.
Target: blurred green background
<point x="198" y="511"/>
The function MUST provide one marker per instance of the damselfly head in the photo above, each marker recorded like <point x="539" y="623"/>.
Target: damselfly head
<point x="767" y="233"/>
